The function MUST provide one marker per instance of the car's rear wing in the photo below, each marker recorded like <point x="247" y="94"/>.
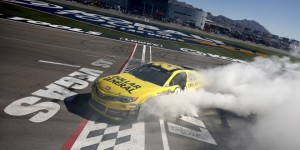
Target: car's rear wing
<point x="187" y="67"/>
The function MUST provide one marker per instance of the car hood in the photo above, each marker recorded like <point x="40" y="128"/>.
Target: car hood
<point x="125" y="84"/>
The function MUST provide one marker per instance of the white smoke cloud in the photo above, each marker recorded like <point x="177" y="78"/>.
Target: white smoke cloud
<point x="267" y="87"/>
<point x="295" y="51"/>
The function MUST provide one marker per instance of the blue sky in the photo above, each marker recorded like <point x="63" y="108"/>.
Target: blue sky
<point x="280" y="17"/>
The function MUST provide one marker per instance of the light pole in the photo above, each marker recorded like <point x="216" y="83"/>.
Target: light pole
<point x="144" y="8"/>
<point x="126" y="6"/>
<point x="152" y="11"/>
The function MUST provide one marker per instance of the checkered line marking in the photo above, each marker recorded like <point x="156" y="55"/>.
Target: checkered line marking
<point x="102" y="136"/>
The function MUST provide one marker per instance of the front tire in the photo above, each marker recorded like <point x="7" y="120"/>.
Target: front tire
<point x="133" y="117"/>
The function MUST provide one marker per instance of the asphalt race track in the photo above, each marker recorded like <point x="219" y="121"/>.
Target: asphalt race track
<point x="40" y="111"/>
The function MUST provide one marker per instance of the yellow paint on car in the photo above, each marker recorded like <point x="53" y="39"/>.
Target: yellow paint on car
<point x="120" y="94"/>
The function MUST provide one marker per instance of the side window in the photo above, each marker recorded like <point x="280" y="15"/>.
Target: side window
<point x="179" y="79"/>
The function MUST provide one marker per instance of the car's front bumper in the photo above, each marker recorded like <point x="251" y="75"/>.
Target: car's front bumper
<point x="108" y="109"/>
<point x="108" y="112"/>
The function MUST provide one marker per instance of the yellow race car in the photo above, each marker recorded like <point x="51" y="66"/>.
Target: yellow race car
<point x="120" y="96"/>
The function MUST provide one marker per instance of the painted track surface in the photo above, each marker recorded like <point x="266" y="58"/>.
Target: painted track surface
<point x="22" y="74"/>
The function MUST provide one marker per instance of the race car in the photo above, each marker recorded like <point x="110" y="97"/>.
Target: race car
<point x="120" y="96"/>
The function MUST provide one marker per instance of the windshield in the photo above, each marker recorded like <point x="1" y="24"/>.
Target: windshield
<point x="151" y="73"/>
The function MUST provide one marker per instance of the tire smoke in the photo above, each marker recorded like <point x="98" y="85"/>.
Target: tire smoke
<point x="266" y="87"/>
<point x="295" y="51"/>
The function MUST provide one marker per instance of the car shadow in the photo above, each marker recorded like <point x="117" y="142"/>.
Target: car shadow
<point x="225" y="115"/>
<point x="79" y="105"/>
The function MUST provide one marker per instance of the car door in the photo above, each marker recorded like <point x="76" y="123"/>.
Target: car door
<point x="179" y="82"/>
<point x="193" y="80"/>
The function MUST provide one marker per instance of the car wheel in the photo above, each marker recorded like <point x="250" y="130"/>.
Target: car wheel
<point x="133" y="117"/>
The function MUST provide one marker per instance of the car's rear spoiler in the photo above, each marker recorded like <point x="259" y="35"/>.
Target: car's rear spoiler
<point x="186" y="67"/>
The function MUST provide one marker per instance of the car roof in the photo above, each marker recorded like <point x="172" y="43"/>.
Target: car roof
<point x="168" y="66"/>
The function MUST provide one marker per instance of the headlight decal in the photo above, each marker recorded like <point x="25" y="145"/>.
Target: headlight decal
<point x="123" y="99"/>
<point x="126" y="99"/>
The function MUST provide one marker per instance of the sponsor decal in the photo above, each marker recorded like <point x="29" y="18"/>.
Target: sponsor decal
<point x="129" y="26"/>
<point x="107" y="88"/>
<point x="62" y="27"/>
<point x="140" y="42"/>
<point x="123" y="83"/>
<point x="195" y="52"/>
<point x="178" y="90"/>
<point x="192" y="84"/>
<point x="202" y="135"/>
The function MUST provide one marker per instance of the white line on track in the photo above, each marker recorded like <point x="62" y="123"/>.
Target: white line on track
<point x="57" y="63"/>
<point x="150" y="54"/>
<point x="164" y="135"/>
<point x="129" y="59"/>
<point x="193" y="120"/>
<point x="143" y="54"/>
<point x="196" y="115"/>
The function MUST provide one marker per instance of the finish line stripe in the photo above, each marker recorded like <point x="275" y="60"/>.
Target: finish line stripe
<point x="70" y="142"/>
<point x="124" y="66"/>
